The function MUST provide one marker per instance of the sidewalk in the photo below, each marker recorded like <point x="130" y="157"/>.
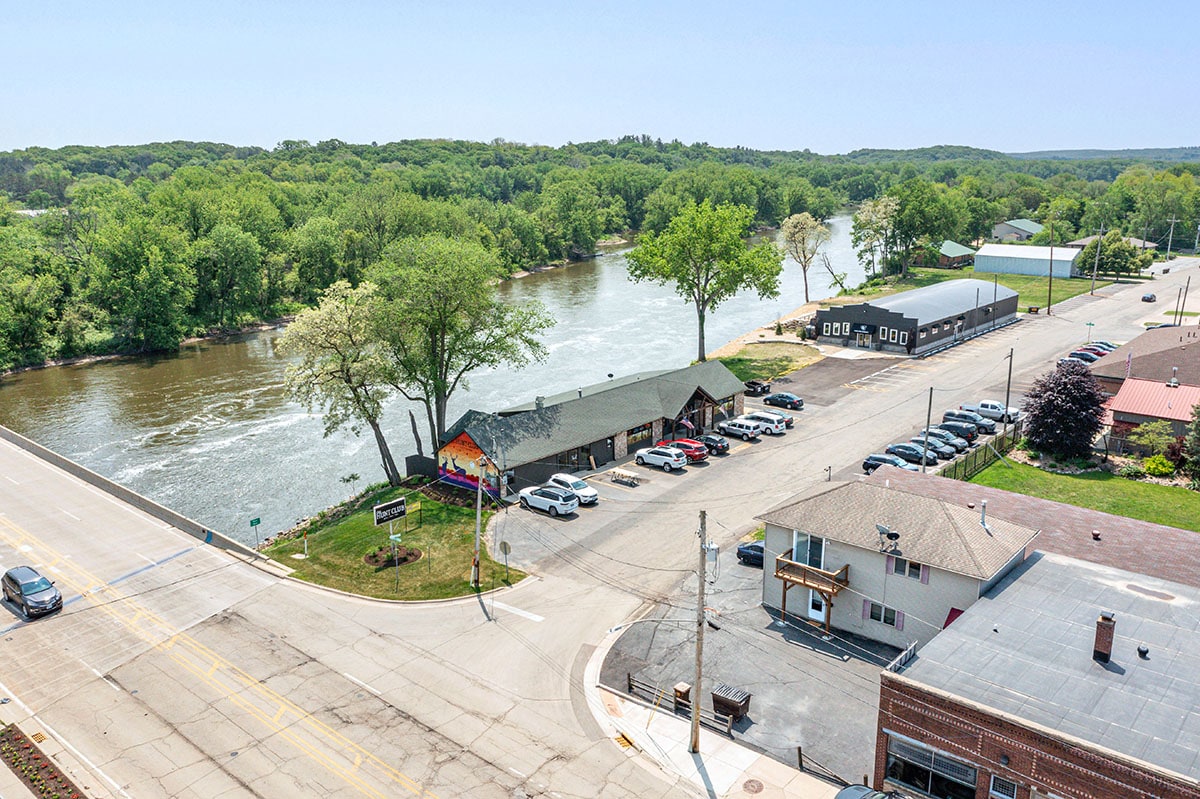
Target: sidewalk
<point x="723" y="769"/>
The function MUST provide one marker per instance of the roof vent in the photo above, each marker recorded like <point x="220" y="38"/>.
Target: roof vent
<point x="539" y="402"/>
<point x="1095" y="535"/>
<point x="1144" y="652"/>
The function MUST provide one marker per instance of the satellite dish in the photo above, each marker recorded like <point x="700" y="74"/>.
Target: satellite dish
<point x="892" y="535"/>
<point x="883" y="529"/>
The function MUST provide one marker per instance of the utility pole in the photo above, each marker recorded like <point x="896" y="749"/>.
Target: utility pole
<point x="928" y="418"/>
<point x="1178" y="297"/>
<point x="482" y="464"/>
<point x="1007" y="389"/>
<point x="1096" y="265"/>
<point x="694" y="747"/>
<point x="1171" y="236"/>
<point x="1196" y="245"/>
<point x="1050" y="285"/>
<point x="1183" y="305"/>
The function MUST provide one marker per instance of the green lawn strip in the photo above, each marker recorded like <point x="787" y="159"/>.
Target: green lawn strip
<point x="1031" y="289"/>
<point x="445" y="534"/>
<point x="1169" y="505"/>
<point x="1182" y="313"/>
<point x="769" y="360"/>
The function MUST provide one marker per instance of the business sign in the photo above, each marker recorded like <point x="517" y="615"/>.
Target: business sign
<point x="390" y="511"/>
<point x="861" y="327"/>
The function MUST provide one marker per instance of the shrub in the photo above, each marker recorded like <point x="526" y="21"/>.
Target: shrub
<point x="1158" y="466"/>
<point x="1132" y="471"/>
<point x="779" y="328"/>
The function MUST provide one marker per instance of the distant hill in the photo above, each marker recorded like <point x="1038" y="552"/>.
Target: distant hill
<point x="942" y="152"/>
<point x="1168" y="154"/>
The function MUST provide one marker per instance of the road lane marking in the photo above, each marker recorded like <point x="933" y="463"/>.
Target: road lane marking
<point x="9" y="479"/>
<point x="72" y="515"/>
<point x="357" y="681"/>
<point x="517" y="611"/>
<point x="95" y="769"/>
<point x="313" y="738"/>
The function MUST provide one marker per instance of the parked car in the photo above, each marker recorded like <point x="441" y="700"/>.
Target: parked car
<point x="1086" y="357"/>
<point x="587" y="495"/>
<point x="960" y="415"/>
<point x="757" y="388"/>
<point x="552" y="499"/>
<point x="717" y="445"/>
<point x="995" y="410"/>
<point x="935" y="445"/>
<point x="1099" y="352"/>
<point x="784" y="399"/>
<point x="964" y="430"/>
<point x="751" y="553"/>
<point x="913" y="453"/>
<point x="667" y="458"/>
<point x="946" y="437"/>
<point x="1104" y="343"/>
<point x="864" y="792"/>
<point x="772" y="424"/>
<point x="1164" y="324"/>
<point x="874" y="461"/>
<point x="1149" y="298"/>
<point x="1062" y="361"/>
<point x="26" y="588"/>
<point x="744" y="429"/>
<point x="693" y="449"/>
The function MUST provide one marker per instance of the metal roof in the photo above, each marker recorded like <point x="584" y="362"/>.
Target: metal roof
<point x="1028" y="225"/>
<point x="952" y="249"/>
<point x="1062" y="253"/>
<point x="1156" y="399"/>
<point x="945" y="535"/>
<point x="943" y="300"/>
<point x="1154" y="549"/>
<point x="1025" y="649"/>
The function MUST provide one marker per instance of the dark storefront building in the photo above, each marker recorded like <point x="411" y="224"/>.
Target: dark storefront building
<point x="919" y="320"/>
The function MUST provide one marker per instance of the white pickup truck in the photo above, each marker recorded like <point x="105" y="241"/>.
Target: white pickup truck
<point x="994" y="409"/>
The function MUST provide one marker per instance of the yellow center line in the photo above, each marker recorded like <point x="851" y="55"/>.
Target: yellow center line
<point x="276" y="712"/>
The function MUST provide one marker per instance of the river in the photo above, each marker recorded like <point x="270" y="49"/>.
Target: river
<point x="210" y="433"/>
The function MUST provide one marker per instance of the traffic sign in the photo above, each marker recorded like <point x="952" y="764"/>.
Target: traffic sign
<point x="255" y="521"/>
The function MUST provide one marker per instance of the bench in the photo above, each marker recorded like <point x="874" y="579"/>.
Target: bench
<point x="624" y="476"/>
<point x="731" y="701"/>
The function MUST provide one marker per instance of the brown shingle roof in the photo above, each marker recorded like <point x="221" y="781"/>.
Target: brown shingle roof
<point x="946" y="535"/>
<point x="1154" y="354"/>
<point x="1131" y="544"/>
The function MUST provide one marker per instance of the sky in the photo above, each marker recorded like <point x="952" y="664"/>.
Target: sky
<point x="830" y="77"/>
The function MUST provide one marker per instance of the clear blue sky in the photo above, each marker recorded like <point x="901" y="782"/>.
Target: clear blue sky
<point x="830" y="76"/>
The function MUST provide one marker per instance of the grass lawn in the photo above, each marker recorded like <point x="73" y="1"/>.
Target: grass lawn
<point x="445" y="534"/>
<point x="1176" y="507"/>
<point x="1182" y="313"/>
<point x="1032" y="290"/>
<point x="769" y="360"/>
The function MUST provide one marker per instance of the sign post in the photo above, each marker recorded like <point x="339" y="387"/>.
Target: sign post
<point x="1090" y="325"/>
<point x="254" y="526"/>
<point x="505" y="547"/>
<point x="389" y="512"/>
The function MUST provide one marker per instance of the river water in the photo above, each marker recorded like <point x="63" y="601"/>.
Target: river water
<point x="210" y="433"/>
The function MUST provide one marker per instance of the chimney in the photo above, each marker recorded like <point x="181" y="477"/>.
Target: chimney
<point x="983" y="513"/>
<point x="580" y="390"/>
<point x="539" y="402"/>
<point x="1105" y="626"/>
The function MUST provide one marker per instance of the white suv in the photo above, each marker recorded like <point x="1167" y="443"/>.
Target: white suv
<point x="745" y="429"/>
<point x="666" y="457"/>
<point x="772" y="423"/>
<point x="587" y="495"/>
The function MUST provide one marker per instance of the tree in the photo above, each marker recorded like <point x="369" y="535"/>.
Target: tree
<point x="1154" y="437"/>
<point x="442" y="319"/>
<point x="228" y="266"/>
<point x="1117" y="256"/>
<point x="804" y="236"/>
<point x="703" y="253"/>
<point x="871" y="233"/>
<point x="1063" y="410"/>
<point x="1191" y="444"/>
<point x="343" y="366"/>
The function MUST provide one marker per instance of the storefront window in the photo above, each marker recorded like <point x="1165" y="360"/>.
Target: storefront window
<point x="932" y="773"/>
<point x="638" y="434"/>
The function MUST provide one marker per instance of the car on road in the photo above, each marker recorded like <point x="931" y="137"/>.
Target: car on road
<point x="744" y="429"/>
<point x="1149" y="298"/>
<point x="552" y="499"/>
<point x="772" y="423"/>
<point x="757" y="388"/>
<point x="784" y="399"/>
<point x="864" y="792"/>
<point x="717" y="445"/>
<point x="875" y="460"/>
<point x="964" y="430"/>
<point x="913" y="453"/>
<point x="587" y="495"/>
<point x="25" y="587"/>
<point x="935" y="445"/>
<point x="946" y="437"/>
<point x="1086" y="357"/>
<point x="751" y="553"/>
<point x="960" y="415"/>
<point x="693" y="449"/>
<point x="666" y="458"/>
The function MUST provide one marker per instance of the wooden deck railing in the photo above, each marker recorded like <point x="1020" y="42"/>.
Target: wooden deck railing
<point x="827" y="582"/>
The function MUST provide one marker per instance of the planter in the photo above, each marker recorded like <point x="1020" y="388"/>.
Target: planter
<point x="39" y="773"/>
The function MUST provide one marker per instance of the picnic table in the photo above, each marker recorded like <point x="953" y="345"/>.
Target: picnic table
<point x="624" y="476"/>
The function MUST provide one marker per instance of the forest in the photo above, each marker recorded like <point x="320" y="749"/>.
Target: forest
<point x="134" y="248"/>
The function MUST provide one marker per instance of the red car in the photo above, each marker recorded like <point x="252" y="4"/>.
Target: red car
<point x="694" y="450"/>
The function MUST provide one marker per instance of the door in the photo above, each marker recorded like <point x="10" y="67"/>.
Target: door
<point x="810" y="550"/>
<point x="864" y="340"/>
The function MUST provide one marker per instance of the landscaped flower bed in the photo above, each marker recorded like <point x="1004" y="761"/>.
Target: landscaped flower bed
<point x="33" y="767"/>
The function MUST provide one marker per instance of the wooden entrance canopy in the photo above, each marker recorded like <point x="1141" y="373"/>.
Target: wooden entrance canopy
<point x="827" y="584"/>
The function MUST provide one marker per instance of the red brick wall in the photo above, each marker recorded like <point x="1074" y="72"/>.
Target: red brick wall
<point x="1036" y="759"/>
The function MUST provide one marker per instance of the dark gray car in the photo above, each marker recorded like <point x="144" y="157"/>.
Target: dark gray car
<point x="29" y="590"/>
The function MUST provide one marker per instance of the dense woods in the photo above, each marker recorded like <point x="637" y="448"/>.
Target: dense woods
<point x="140" y="246"/>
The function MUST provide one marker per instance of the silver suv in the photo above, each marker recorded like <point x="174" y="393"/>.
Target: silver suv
<point x="745" y="429"/>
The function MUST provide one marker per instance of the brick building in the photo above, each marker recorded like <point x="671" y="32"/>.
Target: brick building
<point x="1068" y="679"/>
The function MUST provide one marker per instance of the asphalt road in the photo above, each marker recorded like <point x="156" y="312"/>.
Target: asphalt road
<point x="178" y="670"/>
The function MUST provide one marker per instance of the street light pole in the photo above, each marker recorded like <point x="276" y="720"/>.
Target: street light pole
<point x="1007" y="389"/>
<point x="694" y="746"/>
<point x="1050" y="285"/>
<point x="482" y="465"/>
<point x="1096" y="265"/>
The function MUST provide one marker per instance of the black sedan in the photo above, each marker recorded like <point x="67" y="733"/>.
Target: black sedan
<point x="936" y="446"/>
<point x="784" y="399"/>
<point x="875" y="460"/>
<point x="751" y="553"/>
<point x="717" y="445"/>
<point x="913" y="453"/>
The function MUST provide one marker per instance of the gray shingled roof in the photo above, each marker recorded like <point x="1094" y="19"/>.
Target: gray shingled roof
<point x="714" y="375"/>
<point x="1025" y="649"/>
<point x="942" y="534"/>
<point x="572" y="421"/>
<point x="942" y="300"/>
<point x="1154" y="353"/>
<point x="1154" y="549"/>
